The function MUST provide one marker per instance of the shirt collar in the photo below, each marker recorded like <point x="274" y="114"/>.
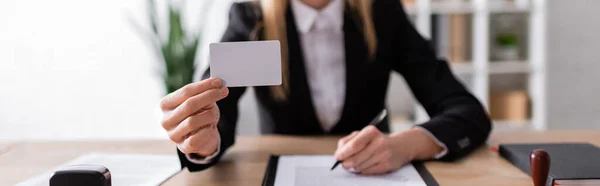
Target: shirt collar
<point x="306" y="16"/>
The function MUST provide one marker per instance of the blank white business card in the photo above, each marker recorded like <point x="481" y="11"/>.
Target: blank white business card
<point x="252" y="63"/>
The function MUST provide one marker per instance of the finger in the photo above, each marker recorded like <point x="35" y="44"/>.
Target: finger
<point x="174" y="99"/>
<point x="200" y="142"/>
<point x="379" y="168"/>
<point x="347" y="138"/>
<point x="194" y="123"/>
<point x="355" y="160"/>
<point x="193" y="105"/>
<point x="357" y="143"/>
<point x="379" y="157"/>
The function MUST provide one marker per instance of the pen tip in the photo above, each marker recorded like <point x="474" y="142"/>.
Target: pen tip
<point x="335" y="165"/>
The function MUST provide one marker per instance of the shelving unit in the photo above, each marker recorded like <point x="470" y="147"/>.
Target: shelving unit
<point x="480" y="67"/>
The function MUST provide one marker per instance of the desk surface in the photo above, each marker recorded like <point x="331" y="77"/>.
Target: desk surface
<point x="245" y="163"/>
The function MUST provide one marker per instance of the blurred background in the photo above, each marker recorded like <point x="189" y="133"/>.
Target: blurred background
<point x="74" y="69"/>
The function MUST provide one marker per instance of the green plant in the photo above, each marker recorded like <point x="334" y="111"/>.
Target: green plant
<point x="507" y="40"/>
<point x="178" y="50"/>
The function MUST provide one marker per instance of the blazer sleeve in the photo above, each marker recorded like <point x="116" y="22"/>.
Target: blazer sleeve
<point x="242" y="19"/>
<point x="457" y="118"/>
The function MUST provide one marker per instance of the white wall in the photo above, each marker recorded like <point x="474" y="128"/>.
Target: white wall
<point x="75" y="69"/>
<point x="573" y="54"/>
<point x="72" y="69"/>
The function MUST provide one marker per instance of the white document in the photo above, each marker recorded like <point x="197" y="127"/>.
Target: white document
<point x="125" y="169"/>
<point x="315" y="171"/>
<point x="253" y="63"/>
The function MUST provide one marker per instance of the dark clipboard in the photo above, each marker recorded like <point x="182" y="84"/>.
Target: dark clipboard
<point x="269" y="178"/>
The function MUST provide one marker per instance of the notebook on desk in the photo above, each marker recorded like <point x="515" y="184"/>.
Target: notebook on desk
<point x="571" y="164"/>
<point x="314" y="170"/>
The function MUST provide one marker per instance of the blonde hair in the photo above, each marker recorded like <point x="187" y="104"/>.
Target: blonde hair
<point x="274" y="28"/>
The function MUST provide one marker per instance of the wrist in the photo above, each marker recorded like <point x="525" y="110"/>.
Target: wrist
<point x="416" y="144"/>
<point x="403" y="143"/>
<point x="428" y="147"/>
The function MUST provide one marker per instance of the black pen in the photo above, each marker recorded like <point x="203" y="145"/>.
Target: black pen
<point x="375" y="122"/>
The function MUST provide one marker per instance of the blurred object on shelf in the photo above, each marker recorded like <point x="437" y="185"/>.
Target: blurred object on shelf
<point x="458" y="38"/>
<point x="440" y="35"/>
<point x="451" y="37"/>
<point x="508" y="37"/>
<point x="507" y="48"/>
<point x="509" y="105"/>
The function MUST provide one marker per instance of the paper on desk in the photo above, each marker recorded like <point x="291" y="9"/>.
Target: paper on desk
<point x="315" y="171"/>
<point x="126" y="169"/>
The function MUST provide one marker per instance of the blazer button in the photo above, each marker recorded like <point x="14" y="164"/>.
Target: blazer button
<point x="464" y="142"/>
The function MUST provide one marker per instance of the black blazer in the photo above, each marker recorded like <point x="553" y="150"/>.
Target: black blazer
<point x="457" y="118"/>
